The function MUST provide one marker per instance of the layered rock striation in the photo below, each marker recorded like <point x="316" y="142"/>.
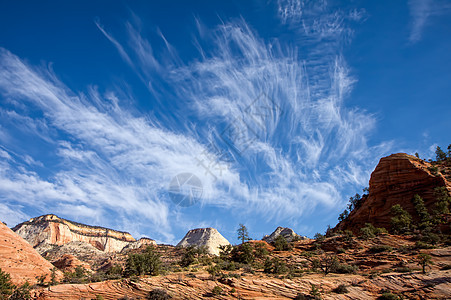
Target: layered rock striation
<point x="209" y="238"/>
<point x="52" y="230"/>
<point x="20" y="260"/>
<point x="396" y="179"/>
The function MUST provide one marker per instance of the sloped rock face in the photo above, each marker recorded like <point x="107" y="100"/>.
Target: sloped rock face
<point x="51" y="229"/>
<point x="68" y="263"/>
<point x="20" y="260"/>
<point x="396" y="179"/>
<point x="208" y="237"/>
<point x="287" y="233"/>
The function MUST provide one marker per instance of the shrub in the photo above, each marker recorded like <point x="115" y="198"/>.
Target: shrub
<point x="189" y="257"/>
<point x="314" y="292"/>
<point x="341" y="250"/>
<point x="158" y="294"/>
<point x="225" y="251"/>
<point x="341" y="289"/>
<point x="430" y="238"/>
<point x="442" y="203"/>
<point x="401" y="219"/>
<point x="326" y="264"/>
<point x="229" y="266"/>
<point x="423" y="245"/>
<point x="275" y="266"/>
<point x="366" y="233"/>
<point x="79" y="275"/>
<point x="261" y="251"/>
<point x="146" y="263"/>
<point x="380" y="248"/>
<point x="243" y="253"/>
<point x="319" y="237"/>
<point x="424" y="260"/>
<point x="388" y="296"/>
<point x="115" y="272"/>
<point x="217" y="290"/>
<point x="369" y="231"/>
<point x="348" y="236"/>
<point x="214" y="270"/>
<point x="344" y="269"/>
<point x="281" y="244"/>
<point x="6" y="286"/>
<point x="433" y="170"/>
<point x="21" y="293"/>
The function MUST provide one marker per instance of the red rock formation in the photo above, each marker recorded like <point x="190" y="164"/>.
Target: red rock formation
<point x="396" y="179"/>
<point x="20" y="260"/>
<point x="68" y="263"/>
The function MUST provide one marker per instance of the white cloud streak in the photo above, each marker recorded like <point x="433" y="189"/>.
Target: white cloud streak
<point x="421" y="12"/>
<point x="309" y="149"/>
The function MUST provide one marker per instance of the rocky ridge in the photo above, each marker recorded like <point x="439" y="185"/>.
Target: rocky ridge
<point x="209" y="238"/>
<point x="52" y="230"/>
<point x="287" y="233"/>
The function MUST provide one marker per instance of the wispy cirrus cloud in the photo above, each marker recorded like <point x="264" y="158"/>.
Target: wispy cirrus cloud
<point x="109" y="160"/>
<point x="317" y="133"/>
<point x="421" y="12"/>
<point x="307" y="149"/>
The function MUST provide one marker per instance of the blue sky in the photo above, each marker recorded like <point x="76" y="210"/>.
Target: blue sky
<point x="280" y="109"/>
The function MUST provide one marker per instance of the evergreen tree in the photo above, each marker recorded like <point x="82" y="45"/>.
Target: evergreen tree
<point x="6" y="287"/>
<point x="401" y="220"/>
<point x="243" y="234"/>
<point x="425" y="218"/>
<point x="439" y="154"/>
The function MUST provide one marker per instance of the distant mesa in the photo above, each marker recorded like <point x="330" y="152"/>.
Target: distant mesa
<point x="47" y="230"/>
<point x="209" y="238"/>
<point x="286" y="232"/>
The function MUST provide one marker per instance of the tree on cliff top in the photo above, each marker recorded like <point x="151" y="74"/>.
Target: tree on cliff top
<point x="243" y="234"/>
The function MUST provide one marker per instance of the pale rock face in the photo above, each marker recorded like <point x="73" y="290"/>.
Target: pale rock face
<point x="287" y="233"/>
<point x="208" y="237"/>
<point x="50" y="229"/>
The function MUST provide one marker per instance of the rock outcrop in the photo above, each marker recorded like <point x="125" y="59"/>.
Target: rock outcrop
<point x="20" y="260"/>
<point x="68" y="263"/>
<point x="52" y="230"/>
<point x="287" y="233"/>
<point x="209" y="238"/>
<point x="396" y="179"/>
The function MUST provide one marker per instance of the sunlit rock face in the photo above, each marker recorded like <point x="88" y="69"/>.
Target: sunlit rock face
<point x="210" y="238"/>
<point x="50" y="229"/>
<point x="396" y="179"/>
<point x="287" y="233"/>
<point x="20" y="260"/>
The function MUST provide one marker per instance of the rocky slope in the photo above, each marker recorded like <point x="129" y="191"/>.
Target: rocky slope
<point x="287" y="233"/>
<point x="208" y="237"/>
<point x="396" y="179"/>
<point x="20" y="260"/>
<point x="393" y="270"/>
<point x="52" y="230"/>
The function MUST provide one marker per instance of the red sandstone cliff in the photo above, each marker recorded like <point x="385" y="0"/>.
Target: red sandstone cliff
<point x="20" y="260"/>
<point x="396" y="179"/>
